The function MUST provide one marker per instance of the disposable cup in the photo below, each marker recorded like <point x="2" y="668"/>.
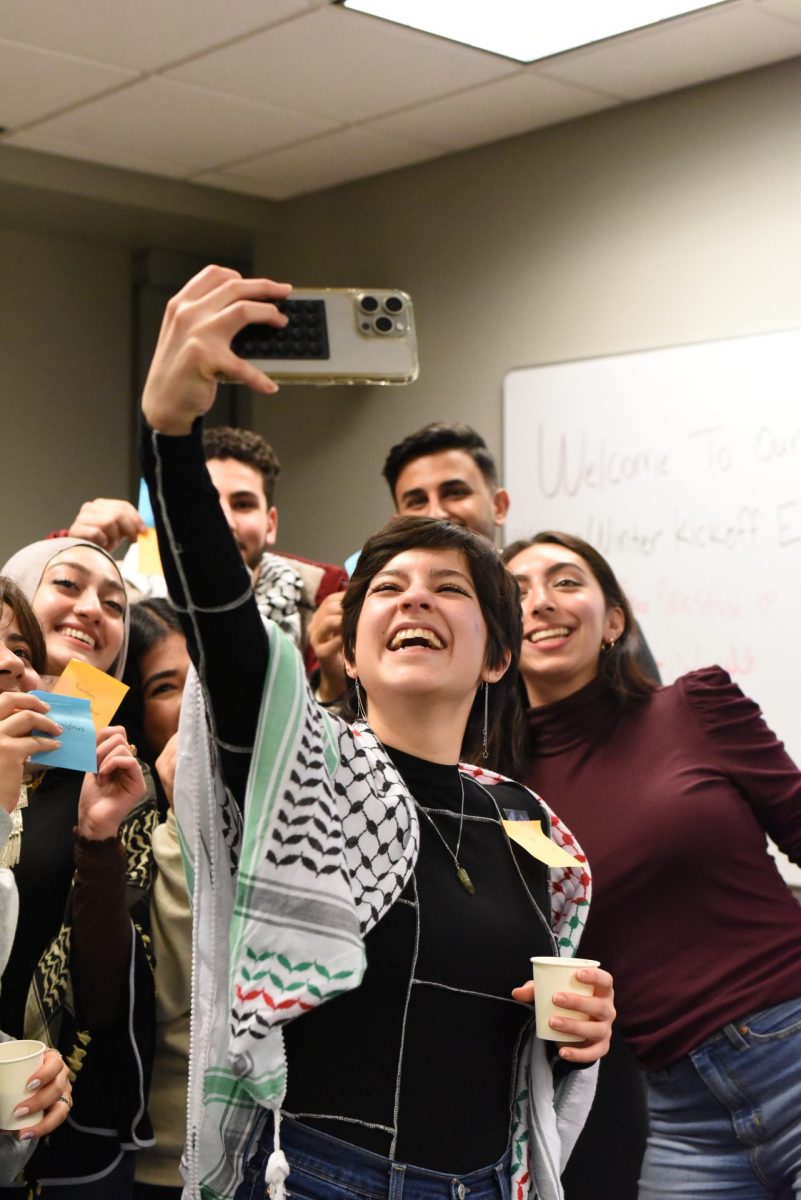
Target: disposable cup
<point x="18" y="1061"/>
<point x="553" y="975"/>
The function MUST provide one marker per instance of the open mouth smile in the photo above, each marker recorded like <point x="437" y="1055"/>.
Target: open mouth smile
<point x="550" y="634"/>
<point x="78" y="635"/>
<point x="415" y="635"/>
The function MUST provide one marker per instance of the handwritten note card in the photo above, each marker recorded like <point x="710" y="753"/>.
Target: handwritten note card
<point x="78" y="749"/>
<point x="103" y="692"/>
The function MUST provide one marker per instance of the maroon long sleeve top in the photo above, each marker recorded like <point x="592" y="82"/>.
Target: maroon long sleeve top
<point x="671" y="799"/>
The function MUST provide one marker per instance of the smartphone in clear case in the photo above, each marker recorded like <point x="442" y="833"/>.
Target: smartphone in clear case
<point x="336" y="335"/>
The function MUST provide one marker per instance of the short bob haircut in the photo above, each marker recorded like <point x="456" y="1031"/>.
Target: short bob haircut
<point x="13" y="598"/>
<point x="619" y="666"/>
<point x="496" y="590"/>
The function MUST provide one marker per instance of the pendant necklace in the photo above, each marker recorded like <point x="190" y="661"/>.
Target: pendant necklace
<point x="461" y="872"/>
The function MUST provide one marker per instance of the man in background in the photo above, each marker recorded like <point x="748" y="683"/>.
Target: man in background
<point x="243" y="468"/>
<point x="444" y="471"/>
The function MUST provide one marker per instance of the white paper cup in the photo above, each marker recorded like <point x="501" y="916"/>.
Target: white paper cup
<point x="18" y="1061"/>
<point x="553" y="975"/>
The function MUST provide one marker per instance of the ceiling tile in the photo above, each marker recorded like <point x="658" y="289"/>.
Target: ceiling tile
<point x="34" y="82"/>
<point x="114" y="156"/>
<point x="676" y="54"/>
<point x="324" y="162"/>
<point x="161" y="119"/>
<point x="144" y="35"/>
<point x="493" y="111"/>
<point x="788" y="10"/>
<point x="343" y="64"/>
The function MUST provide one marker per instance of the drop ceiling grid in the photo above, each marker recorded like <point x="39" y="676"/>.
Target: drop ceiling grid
<point x="287" y="96"/>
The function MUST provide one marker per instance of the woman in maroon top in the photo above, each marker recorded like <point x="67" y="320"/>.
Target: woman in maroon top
<point x="672" y="791"/>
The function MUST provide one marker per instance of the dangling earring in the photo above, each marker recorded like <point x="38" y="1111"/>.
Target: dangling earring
<point x="607" y="646"/>
<point x="484" y="735"/>
<point x="359" y="705"/>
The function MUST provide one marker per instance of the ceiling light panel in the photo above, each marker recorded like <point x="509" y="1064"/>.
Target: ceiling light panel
<point x="528" y="31"/>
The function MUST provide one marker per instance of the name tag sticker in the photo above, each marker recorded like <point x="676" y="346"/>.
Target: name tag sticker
<point x="529" y="835"/>
<point x="78" y="749"/>
<point x="86" y="682"/>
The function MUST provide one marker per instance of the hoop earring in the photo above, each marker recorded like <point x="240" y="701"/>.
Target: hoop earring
<point x="484" y="735"/>
<point x="607" y="646"/>
<point x="359" y="705"/>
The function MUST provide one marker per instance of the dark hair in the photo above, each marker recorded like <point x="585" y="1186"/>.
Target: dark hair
<point x="496" y="590"/>
<point x="223" y="441"/>
<point x="152" y="620"/>
<point x="12" y="596"/>
<point x="433" y="438"/>
<point x="620" y="667"/>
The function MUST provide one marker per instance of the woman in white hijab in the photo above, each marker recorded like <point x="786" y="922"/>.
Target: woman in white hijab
<point x="78" y="976"/>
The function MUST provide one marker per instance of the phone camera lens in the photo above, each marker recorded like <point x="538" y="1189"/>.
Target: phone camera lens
<point x="384" y="324"/>
<point x="393" y="304"/>
<point x="368" y="304"/>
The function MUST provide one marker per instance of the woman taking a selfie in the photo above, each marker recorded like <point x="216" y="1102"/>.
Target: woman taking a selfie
<point x="78" y="976"/>
<point x="319" y="846"/>
<point x="671" y="792"/>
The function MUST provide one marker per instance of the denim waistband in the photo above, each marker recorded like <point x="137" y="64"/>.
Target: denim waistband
<point x="350" y="1165"/>
<point x="755" y="1025"/>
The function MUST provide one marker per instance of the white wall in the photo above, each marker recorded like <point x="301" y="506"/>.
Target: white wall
<point x="673" y="220"/>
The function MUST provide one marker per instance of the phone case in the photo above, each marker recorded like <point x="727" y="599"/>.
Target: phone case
<point x="337" y="335"/>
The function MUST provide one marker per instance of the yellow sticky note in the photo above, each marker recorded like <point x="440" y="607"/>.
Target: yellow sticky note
<point x="103" y="692"/>
<point x="529" y="835"/>
<point x="149" y="559"/>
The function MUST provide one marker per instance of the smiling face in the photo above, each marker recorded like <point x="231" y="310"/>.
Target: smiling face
<point x="252" y="522"/>
<point x="449" y="485"/>
<point x="81" y="605"/>
<point x="421" y="633"/>
<point x="565" y="621"/>
<point x="16" y="656"/>
<point x="163" y="670"/>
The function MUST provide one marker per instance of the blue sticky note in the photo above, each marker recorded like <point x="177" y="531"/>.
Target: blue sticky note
<point x="144" y="507"/>
<point x="350" y="563"/>
<point x="78" y="749"/>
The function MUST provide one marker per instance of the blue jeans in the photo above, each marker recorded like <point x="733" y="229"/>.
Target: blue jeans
<point x="325" y="1168"/>
<point x="726" y="1120"/>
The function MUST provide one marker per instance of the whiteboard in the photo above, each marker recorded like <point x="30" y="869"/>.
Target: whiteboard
<point x="683" y="467"/>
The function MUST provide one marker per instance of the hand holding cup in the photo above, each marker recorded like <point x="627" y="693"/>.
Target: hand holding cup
<point x="574" y="1003"/>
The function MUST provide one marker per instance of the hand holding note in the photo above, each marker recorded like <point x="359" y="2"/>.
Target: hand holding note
<point x="108" y="796"/>
<point x="22" y="714"/>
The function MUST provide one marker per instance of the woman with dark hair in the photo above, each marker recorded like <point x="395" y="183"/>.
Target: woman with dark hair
<point x="79" y="976"/>
<point x="22" y="657"/>
<point x="672" y="791"/>
<point x="155" y="672"/>
<point x="320" y="848"/>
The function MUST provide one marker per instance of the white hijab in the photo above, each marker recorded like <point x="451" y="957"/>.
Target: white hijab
<point x="28" y="566"/>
